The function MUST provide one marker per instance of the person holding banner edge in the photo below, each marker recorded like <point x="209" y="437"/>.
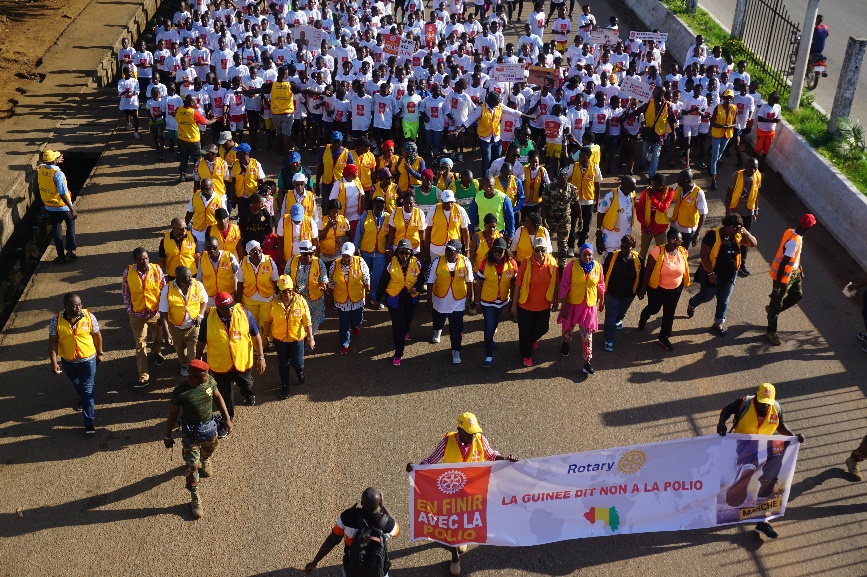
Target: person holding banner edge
<point x="466" y="445"/>
<point x="758" y="414"/>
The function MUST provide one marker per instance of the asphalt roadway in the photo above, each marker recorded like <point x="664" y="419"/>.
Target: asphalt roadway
<point x="115" y="503"/>
<point x="845" y="18"/>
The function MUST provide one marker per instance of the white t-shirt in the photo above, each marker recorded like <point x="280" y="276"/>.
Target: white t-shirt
<point x="128" y="91"/>
<point x="384" y="110"/>
<point x="409" y="107"/>
<point x="768" y="111"/>
<point x="746" y="108"/>
<point x="536" y="20"/>
<point x="690" y="104"/>
<point x="599" y="118"/>
<point x="353" y="193"/>
<point x="361" y="108"/>
<point x="436" y="113"/>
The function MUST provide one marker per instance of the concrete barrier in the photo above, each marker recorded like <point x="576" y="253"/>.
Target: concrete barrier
<point x="832" y="197"/>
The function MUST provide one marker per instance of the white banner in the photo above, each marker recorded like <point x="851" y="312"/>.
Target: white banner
<point x="668" y="486"/>
<point x="632" y="88"/>
<point x="603" y="36"/>
<point x="509" y="72"/>
<point x="655" y="36"/>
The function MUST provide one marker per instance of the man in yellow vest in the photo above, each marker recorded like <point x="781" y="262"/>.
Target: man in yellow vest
<point x="189" y="137"/>
<point x="58" y="202"/>
<point x="787" y="275"/>
<point x="466" y="445"/>
<point x="256" y="280"/>
<point x="723" y="121"/>
<point x="141" y="284"/>
<point x="178" y="248"/>
<point x="349" y="283"/>
<point x="75" y="348"/>
<point x="288" y="322"/>
<point x="183" y="303"/>
<point x="218" y="270"/>
<point x="212" y="167"/>
<point x="450" y="280"/>
<point x="247" y="173"/>
<point x="488" y="117"/>
<point x="658" y="115"/>
<point x="446" y="221"/>
<point x="333" y="160"/>
<point x="282" y="93"/>
<point x="234" y="345"/>
<point x="742" y="198"/>
<point x="690" y="209"/>
<point x="227" y="233"/>
<point x="758" y="414"/>
<point x="202" y="211"/>
<point x="294" y="228"/>
<point x="370" y="238"/>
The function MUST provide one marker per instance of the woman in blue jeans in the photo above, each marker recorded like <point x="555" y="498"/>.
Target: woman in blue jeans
<point x="720" y="261"/>
<point x="723" y="122"/>
<point x="623" y="271"/>
<point x="495" y="284"/>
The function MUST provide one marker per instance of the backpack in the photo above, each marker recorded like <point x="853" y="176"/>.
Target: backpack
<point x="368" y="554"/>
<point x="746" y="403"/>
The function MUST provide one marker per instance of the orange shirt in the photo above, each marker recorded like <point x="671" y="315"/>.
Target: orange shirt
<point x="540" y="279"/>
<point x="673" y="267"/>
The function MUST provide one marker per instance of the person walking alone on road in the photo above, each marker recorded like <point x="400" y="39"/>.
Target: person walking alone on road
<point x="57" y="199"/>
<point x="666" y="272"/>
<point x="466" y="445"/>
<point x="193" y="401"/>
<point x="787" y="275"/>
<point x="75" y="347"/>
<point x="141" y="284"/>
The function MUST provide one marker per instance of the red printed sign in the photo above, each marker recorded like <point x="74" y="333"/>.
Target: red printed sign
<point x="430" y="34"/>
<point x="450" y="504"/>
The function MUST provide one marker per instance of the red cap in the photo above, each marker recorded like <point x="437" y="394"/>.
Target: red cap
<point x="197" y="366"/>
<point x="224" y="300"/>
<point x="350" y="170"/>
<point x="388" y="144"/>
<point x="428" y="173"/>
<point x="808" y="220"/>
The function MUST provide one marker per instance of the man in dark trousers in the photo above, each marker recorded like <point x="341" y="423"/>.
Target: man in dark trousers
<point x="371" y="515"/>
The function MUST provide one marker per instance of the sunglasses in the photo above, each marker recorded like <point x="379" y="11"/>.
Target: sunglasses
<point x="404" y="252"/>
<point x="539" y="249"/>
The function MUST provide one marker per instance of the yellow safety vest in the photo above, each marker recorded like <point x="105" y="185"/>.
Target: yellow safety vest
<point x="584" y="287"/>
<point x="288" y="324"/>
<point x="609" y="221"/>
<point x="652" y="120"/>
<point x="47" y="186"/>
<point x="188" y="129"/>
<point x="404" y="178"/>
<point x="219" y="277"/>
<point x="497" y="287"/>
<point x="258" y="279"/>
<point x="739" y="189"/>
<point x="306" y="233"/>
<point x="332" y="170"/>
<point x="533" y="186"/>
<point x="483" y="247"/>
<point x="184" y="256"/>
<point x="446" y="279"/>
<point x="217" y="176"/>
<point x="389" y="194"/>
<point x="348" y="287"/>
<point x="443" y="230"/>
<point x="654" y="276"/>
<point x="246" y="185"/>
<point x="551" y="266"/>
<point x="232" y="348"/>
<point x="723" y="116"/>
<point x="341" y="196"/>
<point x="314" y="273"/>
<point x="511" y="189"/>
<point x="180" y="305"/>
<point x="714" y="251"/>
<point x="584" y="179"/>
<point x="144" y="294"/>
<point x="489" y="121"/>
<point x="399" y="280"/>
<point x="525" y="246"/>
<point x="203" y="214"/>
<point x="75" y="342"/>
<point x="373" y="238"/>
<point x="282" y="99"/>
<point x="453" y="450"/>
<point x="751" y="424"/>
<point x="408" y="229"/>
<point x="328" y="245"/>
<point x="307" y="203"/>
<point x="366" y="164"/>
<point x="635" y="262"/>
<point x="685" y="211"/>
<point x="230" y="243"/>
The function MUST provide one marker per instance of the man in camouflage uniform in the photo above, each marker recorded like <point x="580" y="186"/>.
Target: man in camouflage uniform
<point x="560" y="200"/>
<point x="196" y="397"/>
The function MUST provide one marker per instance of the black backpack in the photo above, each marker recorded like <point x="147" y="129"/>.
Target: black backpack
<point x="368" y="554"/>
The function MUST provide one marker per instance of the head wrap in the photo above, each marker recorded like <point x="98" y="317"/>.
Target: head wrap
<point x="388" y="144"/>
<point x="411" y="151"/>
<point x="448" y="162"/>
<point x="350" y="170"/>
<point x="587" y="267"/>
<point x="251" y="245"/>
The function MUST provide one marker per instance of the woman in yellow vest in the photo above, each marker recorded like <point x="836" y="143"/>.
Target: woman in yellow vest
<point x="183" y="303"/>
<point x="526" y="235"/>
<point x="690" y="208"/>
<point x="226" y="232"/>
<point x="483" y="240"/>
<point x="387" y="159"/>
<point x="334" y="159"/>
<point x="75" y="348"/>
<point x="786" y="275"/>
<point x="758" y="414"/>
<point x="745" y="202"/>
<point x="666" y="273"/>
<point x="310" y="277"/>
<point x="407" y="222"/>
<point x="371" y="238"/>
<point x="334" y="232"/>
<point x="55" y="196"/>
<point x="582" y="294"/>
<point x="720" y="262"/>
<point x="141" y="285"/>
<point x="247" y="173"/>
<point x="495" y="285"/>
<point x="401" y="284"/>
<point x="289" y="324"/>
<point x="623" y="270"/>
<point x="723" y="122"/>
<point x="213" y="167"/>
<point x="234" y="343"/>
<point x="349" y="283"/>
<point x="366" y="163"/>
<point x="386" y="188"/>
<point x="350" y="193"/>
<point x="256" y="278"/>
<point x="466" y="445"/>
<point x="449" y="280"/>
<point x="409" y="167"/>
<point x="536" y="284"/>
<point x="535" y="181"/>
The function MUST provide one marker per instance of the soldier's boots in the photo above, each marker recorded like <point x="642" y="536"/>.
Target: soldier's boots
<point x="206" y="470"/>
<point x="196" y="505"/>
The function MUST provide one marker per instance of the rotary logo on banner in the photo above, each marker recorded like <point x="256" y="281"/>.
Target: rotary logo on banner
<point x="672" y="485"/>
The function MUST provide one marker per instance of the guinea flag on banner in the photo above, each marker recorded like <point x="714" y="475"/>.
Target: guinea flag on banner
<point x="450" y="504"/>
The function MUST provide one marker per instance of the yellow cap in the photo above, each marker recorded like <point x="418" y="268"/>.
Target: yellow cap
<point x="50" y="155"/>
<point x="728" y="92"/>
<point x="469" y="423"/>
<point x="285" y="282"/>
<point x="766" y="393"/>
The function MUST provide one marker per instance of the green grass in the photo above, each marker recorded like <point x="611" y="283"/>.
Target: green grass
<point x="807" y="121"/>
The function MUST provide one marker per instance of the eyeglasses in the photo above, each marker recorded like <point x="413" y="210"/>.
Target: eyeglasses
<point x="404" y="252"/>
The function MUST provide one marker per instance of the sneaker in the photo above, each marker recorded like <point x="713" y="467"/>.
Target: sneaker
<point x="344" y="350"/>
<point x="609" y="346"/>
<point x="744" y="271"/>
<point x="136" y="135"/>
<point x="185" y="370"/>
<point x="719" y="330"/>
<point x="456" y="357"/>
<point x="690" y="312"/>
<point x="863" y="337"/>
<point x="564" y="349"/>
<point x="528" y="362"/>
<point x="141" y="384"/>
<point x="665" y="343"/>
<point x="737" y="493"/>
<point x="406" y="337"/>
<point x="618" y="325"/>
<point x="284" y="393"/>
<point x="222" y="432"/>
<point x="205" y="470"/>
<point x="588" y="369"/>
<point x="767" y="530"/>
<point x="395" y="362"/>
<point x="251" y="400"/>
<point x="89" y="429"/>
<point x="852" y="469"/>
<point x="158" y="359"/>
<point x="489" y="362"/>
<point x="436" y="336"/>
<point x="302" y="378"/>
<point x="773" y="338"/>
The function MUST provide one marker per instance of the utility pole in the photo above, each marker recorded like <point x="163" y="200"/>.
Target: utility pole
<point x="803" y="54"/>
<point x="848" y="81"/>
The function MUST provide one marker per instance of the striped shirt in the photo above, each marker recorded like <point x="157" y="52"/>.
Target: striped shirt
<point x="440" y="451"/>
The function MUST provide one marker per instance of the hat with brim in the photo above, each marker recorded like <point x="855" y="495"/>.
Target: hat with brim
<point x="469" y="423"/>
<point x="766" y="393"/>
<point x="224" y="300"/>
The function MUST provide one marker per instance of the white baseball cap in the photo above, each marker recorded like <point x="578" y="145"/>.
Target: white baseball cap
<point x="448" y="196"/>
<point x="348" y="248"/>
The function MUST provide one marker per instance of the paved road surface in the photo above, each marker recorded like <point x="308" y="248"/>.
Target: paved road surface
<point x="117" y="501"/>
<point x="845" y="18"/>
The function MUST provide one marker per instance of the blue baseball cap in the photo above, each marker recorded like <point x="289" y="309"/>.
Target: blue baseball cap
<point x="294" y="156"/>
<point x="336" y="135"/>
<point x="297" y="212"/>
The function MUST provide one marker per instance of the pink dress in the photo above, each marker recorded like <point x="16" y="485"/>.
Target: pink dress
<point x="579" y="315"/>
